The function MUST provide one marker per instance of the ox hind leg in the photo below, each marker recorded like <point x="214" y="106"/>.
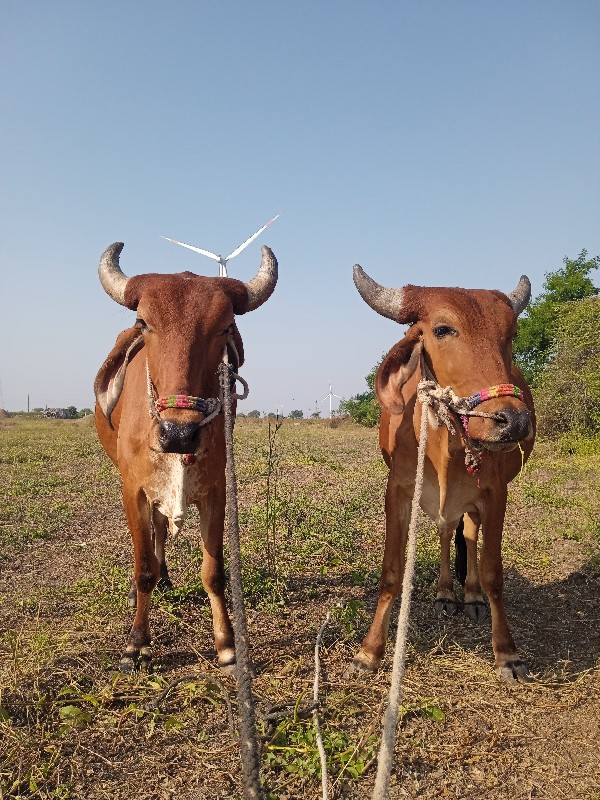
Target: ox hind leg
<point x="445" y="600"/>
<point x="159" y="537"/>
<point x="475" y="606"/>
<point x="212" y="518"/>
<point x="397" y="519"/>
<point x="508" y="663"/>
<point x="138" y="652"/>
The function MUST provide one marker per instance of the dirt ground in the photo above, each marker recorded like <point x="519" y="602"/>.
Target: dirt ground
<point x="311" y="511"/>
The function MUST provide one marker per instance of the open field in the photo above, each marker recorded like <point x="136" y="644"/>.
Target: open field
<point x="72" y="727"/>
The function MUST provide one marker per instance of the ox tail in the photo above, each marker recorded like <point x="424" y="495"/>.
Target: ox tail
<point x="460" y="558"/>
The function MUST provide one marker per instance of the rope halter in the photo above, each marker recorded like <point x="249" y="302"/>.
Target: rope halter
<point x="442" y="401"/>
<point x="209" y="406"/>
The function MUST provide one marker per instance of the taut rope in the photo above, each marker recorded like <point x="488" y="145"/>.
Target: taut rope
<point x="248" y="742"/>
<point x="390" y="720"/>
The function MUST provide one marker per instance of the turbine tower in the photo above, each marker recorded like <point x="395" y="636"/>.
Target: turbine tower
<point x="331" y="395"/>
<point x="222" y="262"/>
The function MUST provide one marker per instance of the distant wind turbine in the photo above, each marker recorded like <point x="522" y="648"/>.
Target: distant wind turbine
<point x="222" y="262"/>
<point x="331" y="395"/>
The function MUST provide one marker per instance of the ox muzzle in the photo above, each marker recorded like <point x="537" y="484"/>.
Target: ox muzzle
<point x="502" y="430"/>
<point x="175" y="437"/>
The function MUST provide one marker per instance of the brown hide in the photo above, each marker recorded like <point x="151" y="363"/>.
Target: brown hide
<point x="184" y="323"/>
<point x="464" y="337"/>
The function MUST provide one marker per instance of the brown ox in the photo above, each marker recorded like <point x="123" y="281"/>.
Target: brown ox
<point x="462" y="340"/>
<point x="172" y="457"/>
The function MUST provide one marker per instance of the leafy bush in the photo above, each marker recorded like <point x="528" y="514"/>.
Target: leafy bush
<point x="568" y="389"/>
<point x="534" y="346"/>
<point x="364" y="408"/>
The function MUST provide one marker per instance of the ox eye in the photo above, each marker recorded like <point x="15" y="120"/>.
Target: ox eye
<point x="441" y="331"/>
<point x="139" y="323"/>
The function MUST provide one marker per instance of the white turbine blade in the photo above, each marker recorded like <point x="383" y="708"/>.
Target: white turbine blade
<point x="239" y="249"/>
<point x="325" y="398"/>
<point x="195" y="249"/>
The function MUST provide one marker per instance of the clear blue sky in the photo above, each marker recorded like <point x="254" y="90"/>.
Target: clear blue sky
<point x="441" y="143"/>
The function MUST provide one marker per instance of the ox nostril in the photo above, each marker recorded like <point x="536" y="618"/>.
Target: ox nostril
<point x="514" y="425"/>
<point x="176" y="438"/>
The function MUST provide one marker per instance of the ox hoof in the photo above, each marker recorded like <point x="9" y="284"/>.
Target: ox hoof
<point x="359" y="668"/>
<point x="164" y="584"/>
<point x="226" y="660"/>
<point x="514" y="672"/>
<point x="444" y="607"/>
<point x="134" y="660"/>
<point x="476" y="610"/>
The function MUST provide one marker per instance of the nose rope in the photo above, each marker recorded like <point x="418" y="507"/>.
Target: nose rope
<point x="443" y="400"/>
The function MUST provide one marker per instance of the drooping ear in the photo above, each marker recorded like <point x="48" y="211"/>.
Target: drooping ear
<point x="239" y="347"/>
<point x="111" y="376"/>
<point x="395" y="369"/>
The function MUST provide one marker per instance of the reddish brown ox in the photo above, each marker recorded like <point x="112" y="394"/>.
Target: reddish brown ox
<point x="459" y="339"/>
<point x="172" y="457"/>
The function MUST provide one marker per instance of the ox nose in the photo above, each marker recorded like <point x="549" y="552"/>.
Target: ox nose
<point x="176" y="438"/>
<point x="514" y="425"/>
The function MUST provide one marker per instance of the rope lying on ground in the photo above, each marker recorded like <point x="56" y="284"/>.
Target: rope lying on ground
<point x="320" y="746"/>
<point x="248" y="742"/>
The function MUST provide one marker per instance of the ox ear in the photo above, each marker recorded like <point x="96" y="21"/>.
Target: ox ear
<point x="238" y="356"/>
<point x="395" y="369"/>
<point x="111" y="376"/>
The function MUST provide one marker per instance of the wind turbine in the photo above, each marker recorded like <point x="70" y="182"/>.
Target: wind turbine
<point x="331" y="395"/>
<point x="222" y="262"/>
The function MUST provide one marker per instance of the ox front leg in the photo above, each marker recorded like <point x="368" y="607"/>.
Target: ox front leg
<point x="508" y="663"/>
<point x="138" y="653"/>
<point x="159" y="536"/>
<point x="397" y="519"/>
<point x="212" y="519"/>
<point x="475" y="606"/>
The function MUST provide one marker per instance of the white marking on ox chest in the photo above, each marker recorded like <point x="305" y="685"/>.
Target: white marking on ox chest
<point x="172" y="487"/>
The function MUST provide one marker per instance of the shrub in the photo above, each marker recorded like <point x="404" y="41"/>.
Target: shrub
<point x="568" y="393"/>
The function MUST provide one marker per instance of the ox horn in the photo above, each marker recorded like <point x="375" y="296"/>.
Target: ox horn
<point x="261" y="286"/>
<point x="111" y="276"/>
<point x="520" y="296"/>
<point x="387" y="302"/>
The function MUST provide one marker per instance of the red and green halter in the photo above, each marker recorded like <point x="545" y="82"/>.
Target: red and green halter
<point x="502" y="390"/>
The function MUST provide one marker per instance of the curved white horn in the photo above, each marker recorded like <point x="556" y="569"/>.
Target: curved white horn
<point x="261" y="286"/>
<point x="387" y="302"/>
<point x="112" y="278"/>
<point x="520" y="296"/>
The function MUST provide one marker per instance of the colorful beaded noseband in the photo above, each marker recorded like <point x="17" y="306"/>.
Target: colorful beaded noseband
<point x="474" y="457"/>
<point x="502" y="390"/>
<point x="186" y="401"/>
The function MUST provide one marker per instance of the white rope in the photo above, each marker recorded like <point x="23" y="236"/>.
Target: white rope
<point x="388" y="737"/>
<point x="320" y="746"/>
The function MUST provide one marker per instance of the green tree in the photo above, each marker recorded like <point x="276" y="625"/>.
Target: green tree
<point x="535" y="343"/>
<point x="568" y="396"/>
<point x="296" y="414"/>
<point x="364" y="408"/>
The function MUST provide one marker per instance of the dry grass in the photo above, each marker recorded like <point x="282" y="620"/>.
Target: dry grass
<point x="72" y="727"/>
